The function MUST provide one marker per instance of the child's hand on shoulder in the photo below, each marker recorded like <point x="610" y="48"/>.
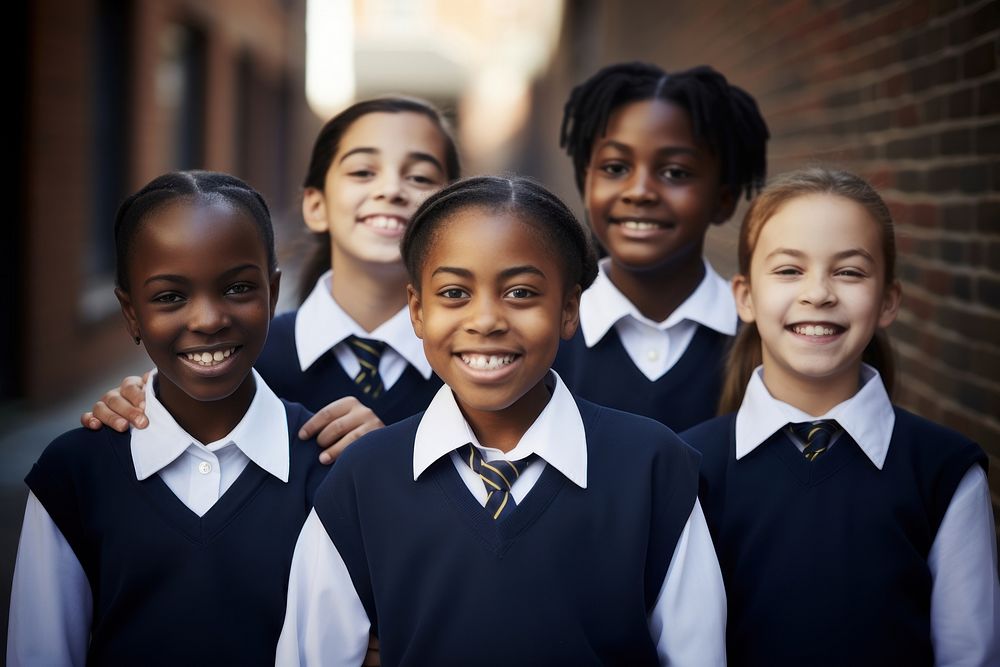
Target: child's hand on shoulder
<point x="338" y="425"/>
<point x="120" y="407"/>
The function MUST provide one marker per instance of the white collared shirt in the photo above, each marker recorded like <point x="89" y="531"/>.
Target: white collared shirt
<point x="655" y="347"/>
<point x="51" y="600"/>
<point x="326" y="623"/>
<point x="965" y="593"/>
<point x="322" y="325"/>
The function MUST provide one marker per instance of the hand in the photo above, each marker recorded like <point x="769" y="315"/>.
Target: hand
<point x="338" y="425"/>
<point x="120" y="406"/>
<point x="372" y="658"/>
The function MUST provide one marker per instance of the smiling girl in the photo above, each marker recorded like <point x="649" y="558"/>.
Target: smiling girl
<point x="349" y="351"/>
<point x="136" y="544"/>
<point x="503" y="525"/>
<point x="849" y="531"/>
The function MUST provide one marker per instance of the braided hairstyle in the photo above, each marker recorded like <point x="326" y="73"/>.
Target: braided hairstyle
<point x="725" y="118"/>
<point x="192" y="186"/>
<point x="518" y="196"/>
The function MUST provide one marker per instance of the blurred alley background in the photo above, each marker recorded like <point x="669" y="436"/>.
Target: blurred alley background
<point x="109" y="93"/>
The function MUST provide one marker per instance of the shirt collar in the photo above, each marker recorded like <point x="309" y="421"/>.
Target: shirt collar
<point x="711" y="304"/>
<point x="868" y="416"/>
<point x="262" y="434"/>
<point x="321" y="324"/>
<point x="557" y="435"/>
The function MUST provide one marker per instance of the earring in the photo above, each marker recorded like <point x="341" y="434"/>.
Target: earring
<point x="137" y="340"/>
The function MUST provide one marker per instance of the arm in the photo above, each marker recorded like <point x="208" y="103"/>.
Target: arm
<point x="688" y="622"/>
<point x="51" y="602"/>
<point x="965" y="595"/>
<point x="325" y="622"/>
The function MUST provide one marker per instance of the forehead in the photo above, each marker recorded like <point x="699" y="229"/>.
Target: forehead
<point x="404" y="132"/>
<point x="479" y="238"/>
<point x="821" y="223"/>
<point x="213" y="232"/>
<point x="649" y="122"/>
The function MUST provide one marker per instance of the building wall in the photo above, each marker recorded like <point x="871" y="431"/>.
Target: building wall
<point x="906" y="93"/>
<point x="247" y="116"/>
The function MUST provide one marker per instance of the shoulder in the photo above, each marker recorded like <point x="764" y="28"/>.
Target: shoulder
<point x="644" y="436"/>
<point x="281" y="332"/>
<point x="930" y="439"/>
<point x="76" y="454"/>
<point x="297" y="415"/>
<point x="710" y="434"/>
<point x="384" y="446"/>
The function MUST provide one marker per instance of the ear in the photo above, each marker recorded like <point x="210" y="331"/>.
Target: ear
<point x="725" y="206"/>
<point x="314" y="210"/>
<point x="128" y="312"/>
<point x="416" y="310"/>
<point x="275" y="285"/>
<point x="890" y="304"/>
<point x="744" y="300"/>
<point x="570" y="313"/>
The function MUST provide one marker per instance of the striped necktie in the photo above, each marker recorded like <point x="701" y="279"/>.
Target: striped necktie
<point x="368" y="352"/>
<point x="498" y="476"/>
<point x="816" y="435"/>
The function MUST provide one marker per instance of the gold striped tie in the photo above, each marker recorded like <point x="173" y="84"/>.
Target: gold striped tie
<point x="368" y="353"/>
<point x="816" y="435"/>
<point x="498" y="477"/>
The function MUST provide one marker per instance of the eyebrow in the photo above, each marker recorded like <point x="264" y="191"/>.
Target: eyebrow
<point x="666" y="150"/>
<point x="416" y="156"/>
<point x="506" y="273"/>
<point x="173" y="278"/>
<point x="843" y="254"/>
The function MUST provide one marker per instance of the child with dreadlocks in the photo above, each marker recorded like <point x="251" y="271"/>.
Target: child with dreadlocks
<point x="658" y="158"/>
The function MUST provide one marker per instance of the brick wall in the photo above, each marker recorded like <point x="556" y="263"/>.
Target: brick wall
<point x="906" y="94"/>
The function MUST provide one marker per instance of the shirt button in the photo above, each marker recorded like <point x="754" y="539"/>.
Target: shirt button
<point x="204" y="467"/>
<point x="652" y="355"/>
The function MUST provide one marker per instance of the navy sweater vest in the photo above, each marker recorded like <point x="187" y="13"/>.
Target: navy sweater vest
<point x="825" y="563"/>
<point x="325" y="381"/>
<point x="684" y="396"/>
<point x="169" y="587"/>
<point x="568" y="578"/>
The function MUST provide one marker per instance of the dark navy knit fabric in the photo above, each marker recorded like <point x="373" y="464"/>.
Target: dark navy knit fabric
<point x="684" y="396"/>
<point x="169" y="587"/>
<point x="568" y="578"/>
<point x="825" y="562"/>
<point x="325" y="381"/>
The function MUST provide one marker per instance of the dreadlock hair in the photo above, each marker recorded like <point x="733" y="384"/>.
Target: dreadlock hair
<point x="518" y="196"/>
<point x="745" y="353"/>
<point x="725" y="118"/>
<point x="326" y="146"/>
<point x="194" y="186"/>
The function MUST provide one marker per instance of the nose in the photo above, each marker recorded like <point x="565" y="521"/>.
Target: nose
<point x="817" y="291"/>
<point x="207" y="316"/>
<point x="639" y="189"/>
<point x="390" y="187"/>
<point x="485" y="316"/>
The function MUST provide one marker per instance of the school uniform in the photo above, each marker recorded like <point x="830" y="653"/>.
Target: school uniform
<point x="150" y="548"/>
<point x="605" y="558"/>
<point x="880" y="551"/>
<point x="308" y="359"/>
<point x="670" y="371"/>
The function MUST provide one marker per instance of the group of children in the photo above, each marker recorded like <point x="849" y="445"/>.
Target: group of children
<point x="516" y="509"/>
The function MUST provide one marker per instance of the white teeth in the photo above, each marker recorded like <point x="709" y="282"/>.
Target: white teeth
<point x="813" y="330"/>
<point x="483" y="362"/>
<point x="639" y="225"/>
<point x="384" y="222"/>
<point x="209" y="358"/>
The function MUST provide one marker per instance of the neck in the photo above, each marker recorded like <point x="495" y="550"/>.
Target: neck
<point x="503" y="429"/>
<point x="812" y="396"/>
<point x="207" y="421"/>
<point x="657" y="292"/>
<point x="371" y="294"/>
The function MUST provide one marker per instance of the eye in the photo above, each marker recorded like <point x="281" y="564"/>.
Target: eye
<point x="521" y="293"/>
<point x="787" y="271"/>
<point x="851" y="273"/>
<point x="676" y="173"/>
<point x="421" y="179"/>
<point x="454" y="293"/>
<point x="239" y="288"/>
<point x="361" y="173"/>
<point x="614" y="169"/>
<point x="168" y="298"/>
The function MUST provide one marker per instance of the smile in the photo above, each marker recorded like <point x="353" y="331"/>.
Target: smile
<point x="209" y="359"/>
<point x="816" y="330"/>
<point x="391" y="223"/>
<point x="641" y="225"/>
<point x="487" y="362"/>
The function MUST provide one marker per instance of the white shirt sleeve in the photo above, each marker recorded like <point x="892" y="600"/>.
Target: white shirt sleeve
<point x="965" y="594"/>
<point x="688" y="622"/>
<point x="325" y="622"/>
<point x="51" y="603"/>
